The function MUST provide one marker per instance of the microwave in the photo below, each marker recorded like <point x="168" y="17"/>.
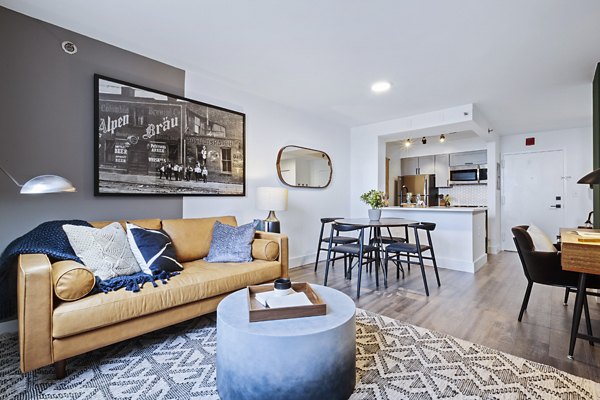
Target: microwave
<point x="468" y="175"/>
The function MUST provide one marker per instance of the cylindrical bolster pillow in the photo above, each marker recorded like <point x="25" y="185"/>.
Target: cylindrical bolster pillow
<point x="71" y="280"/>
<point x="264" y="249"/>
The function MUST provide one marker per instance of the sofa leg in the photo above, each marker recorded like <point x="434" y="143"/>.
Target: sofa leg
<point x="60" y="369"/>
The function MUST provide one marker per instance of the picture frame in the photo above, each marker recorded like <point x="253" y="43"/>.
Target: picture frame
<point x="152" y="143"/>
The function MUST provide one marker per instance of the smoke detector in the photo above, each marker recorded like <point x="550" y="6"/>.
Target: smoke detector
<point x="69" y="47"/>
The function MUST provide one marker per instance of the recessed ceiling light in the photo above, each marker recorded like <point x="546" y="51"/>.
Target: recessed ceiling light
<point x="381" y="86"/>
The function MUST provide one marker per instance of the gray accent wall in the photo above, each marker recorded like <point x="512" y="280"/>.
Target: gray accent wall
<point x="46" y="123"/>
<point x="46" y="127"/>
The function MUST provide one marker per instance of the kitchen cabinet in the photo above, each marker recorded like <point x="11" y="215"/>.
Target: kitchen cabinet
<point x="468" y="158"/>
<point x="409" y="166"/>
<point x="442" y="170"/>
<point x="426" y="165"/>
<point x="417" y="165"/>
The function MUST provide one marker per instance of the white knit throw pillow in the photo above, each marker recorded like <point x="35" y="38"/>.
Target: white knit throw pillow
<point x="105" y="251"/>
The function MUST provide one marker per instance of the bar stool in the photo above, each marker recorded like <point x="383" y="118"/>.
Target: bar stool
<point x="365" y="253"/>
<point x="336" y="240"/>
<point x="406" y="249"/>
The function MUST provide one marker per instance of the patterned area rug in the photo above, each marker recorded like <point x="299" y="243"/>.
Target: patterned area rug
<point x="394" y="361"/>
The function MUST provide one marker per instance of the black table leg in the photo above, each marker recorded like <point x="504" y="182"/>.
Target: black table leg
<point x="579" y="299"/>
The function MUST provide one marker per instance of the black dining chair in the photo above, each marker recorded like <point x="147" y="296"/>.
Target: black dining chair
<point x="337" y="240"/>
<point x="401" y="252"/>
<point x="545" y="268"/>
<point x="365" y="253"/>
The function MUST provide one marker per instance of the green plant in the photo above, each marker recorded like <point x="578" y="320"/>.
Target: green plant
<point x="374" y="198"/>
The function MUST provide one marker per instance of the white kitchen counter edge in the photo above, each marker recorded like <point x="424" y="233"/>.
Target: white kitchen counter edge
<point x="438" y="209"/>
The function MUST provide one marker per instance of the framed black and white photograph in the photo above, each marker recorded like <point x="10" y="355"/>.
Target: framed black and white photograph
<point x="148" y="142"/>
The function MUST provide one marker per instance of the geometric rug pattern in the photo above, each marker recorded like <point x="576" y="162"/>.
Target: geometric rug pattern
<point x="395" y="360"/>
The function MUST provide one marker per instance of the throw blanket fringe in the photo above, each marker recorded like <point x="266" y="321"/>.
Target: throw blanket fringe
<point x="131" y="283"/>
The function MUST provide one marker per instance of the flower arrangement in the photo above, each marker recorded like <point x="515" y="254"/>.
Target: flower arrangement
<point x="375" y="198"/>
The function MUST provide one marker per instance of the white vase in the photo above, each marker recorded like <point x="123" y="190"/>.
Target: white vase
<point x="374" y="214"/>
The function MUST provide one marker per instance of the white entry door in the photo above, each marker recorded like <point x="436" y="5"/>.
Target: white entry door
<point x="532" y="193"/>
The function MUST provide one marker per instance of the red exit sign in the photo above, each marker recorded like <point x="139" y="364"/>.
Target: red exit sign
<point x="530" y="141"/>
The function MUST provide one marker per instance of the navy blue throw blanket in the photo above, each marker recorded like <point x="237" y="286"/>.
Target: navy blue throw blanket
<point x="49" y="238"/>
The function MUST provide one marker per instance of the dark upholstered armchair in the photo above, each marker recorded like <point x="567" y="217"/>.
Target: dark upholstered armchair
<point x="545" y="268"/>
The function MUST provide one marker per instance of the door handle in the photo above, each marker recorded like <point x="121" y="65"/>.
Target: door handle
<point x="556" y="206"/>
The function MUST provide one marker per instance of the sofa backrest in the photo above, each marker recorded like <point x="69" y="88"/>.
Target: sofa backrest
<point x="144" y="223"/>
<point x="191" y="237"/>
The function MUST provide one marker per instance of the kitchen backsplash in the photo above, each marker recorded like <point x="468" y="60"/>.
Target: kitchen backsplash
<point x="466" y="195"/>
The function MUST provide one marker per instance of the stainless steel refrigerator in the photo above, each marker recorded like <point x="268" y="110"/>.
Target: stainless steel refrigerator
<point x="416" y="184"/>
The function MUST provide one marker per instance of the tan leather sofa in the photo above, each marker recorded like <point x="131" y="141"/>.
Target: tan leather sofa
<point x="51" y="331"/>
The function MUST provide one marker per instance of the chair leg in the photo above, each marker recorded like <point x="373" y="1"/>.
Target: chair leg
<point x="60" y="369"/>
<point x="423" y="273"/>
<point x="435" y="268"/>
<point x="588" y="321"/>
<point x="377" y="265"/>
<point x="566" y="301"/>
<point x="327" y="267"/>
<point x="350" y="261"/>
<point x="345" y="265"/>
<point x="317" y="260"/>
<point x="360" y="261"/>
<point x="525" y="300"/>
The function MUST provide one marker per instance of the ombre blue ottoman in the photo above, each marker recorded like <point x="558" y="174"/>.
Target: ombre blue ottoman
<point x="301" y="358"/>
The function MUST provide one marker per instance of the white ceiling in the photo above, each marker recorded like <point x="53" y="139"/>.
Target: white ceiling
<point x="527" y="65"/>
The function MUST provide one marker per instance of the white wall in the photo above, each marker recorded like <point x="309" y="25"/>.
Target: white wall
<point x="270" y="126"/>
<point x="576" y="144"/>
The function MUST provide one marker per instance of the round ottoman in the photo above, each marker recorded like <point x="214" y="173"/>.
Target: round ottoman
<point x="300" y="358"/>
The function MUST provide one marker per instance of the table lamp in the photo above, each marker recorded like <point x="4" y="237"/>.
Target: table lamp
<point x="43" y="184"/>
<point x="272" y="199"/>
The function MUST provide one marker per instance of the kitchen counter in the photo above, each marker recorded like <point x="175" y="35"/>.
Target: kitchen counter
<point x="439" y="209"/>
<point x="459" y="238"/>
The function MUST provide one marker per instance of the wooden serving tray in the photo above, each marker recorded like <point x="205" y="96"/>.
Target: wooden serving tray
<point x="258" y="312"/>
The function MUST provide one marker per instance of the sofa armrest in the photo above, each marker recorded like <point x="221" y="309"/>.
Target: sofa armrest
<point x="282" y="240"/>
<point x="34" y="303"/>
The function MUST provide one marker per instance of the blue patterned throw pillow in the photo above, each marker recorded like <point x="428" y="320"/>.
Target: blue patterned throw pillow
<point x="152" y="249"/>
<point x="231" y="243"/>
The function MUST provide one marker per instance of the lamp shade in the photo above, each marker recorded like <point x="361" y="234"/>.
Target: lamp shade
<point x="47" y="184"/>
<point x="591" y="178"/>
<point x="271" y="198"/>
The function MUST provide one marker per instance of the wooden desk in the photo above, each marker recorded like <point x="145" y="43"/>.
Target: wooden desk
<point x="584" y="258"/>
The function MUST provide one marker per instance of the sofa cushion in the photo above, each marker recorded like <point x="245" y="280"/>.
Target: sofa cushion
<point x="231" y="243"/>
<point x="153" y="223"/>
<point x="72" y="280"/>
<point x="198" y="280"/>
<point x="191" y="236"/>
<point x="105" y="251"/>
<point x="263" y="249"/>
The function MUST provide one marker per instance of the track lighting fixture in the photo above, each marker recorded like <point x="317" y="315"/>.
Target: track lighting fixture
<point x="442" y="138"/>
<point x="407" y="143"/>
<point x="424" y="140"/>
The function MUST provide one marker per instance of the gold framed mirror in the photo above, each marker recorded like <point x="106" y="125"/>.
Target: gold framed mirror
<point x="302" y="167"/>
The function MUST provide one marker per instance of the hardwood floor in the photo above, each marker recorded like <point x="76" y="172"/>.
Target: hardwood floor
<point x="481" y="308"/>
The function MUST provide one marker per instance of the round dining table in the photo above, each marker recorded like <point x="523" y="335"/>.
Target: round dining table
<point x="377" y="225"/>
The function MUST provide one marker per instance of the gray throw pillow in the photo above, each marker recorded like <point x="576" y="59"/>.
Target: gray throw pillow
<point x="231" y="243"/>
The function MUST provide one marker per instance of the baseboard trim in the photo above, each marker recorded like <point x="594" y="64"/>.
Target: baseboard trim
<point x="299" y="261"/>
